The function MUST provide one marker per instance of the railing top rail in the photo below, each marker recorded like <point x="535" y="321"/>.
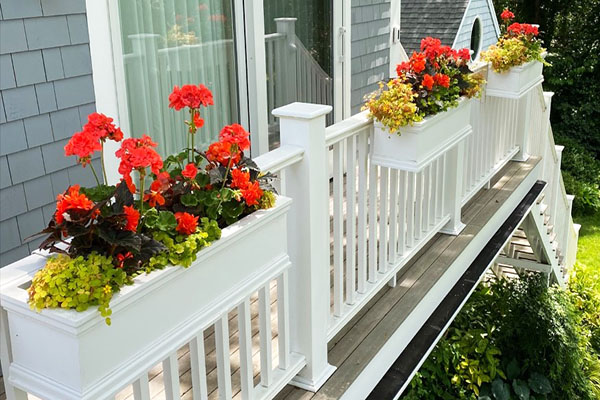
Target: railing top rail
<point x="346" y="128"/>
<point x="274" y="36"/>
<point x="309" y="58"/>
<point x="280" y="158"/>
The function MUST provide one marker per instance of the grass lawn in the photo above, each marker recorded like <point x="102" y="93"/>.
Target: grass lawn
<point x="588" y="253"/>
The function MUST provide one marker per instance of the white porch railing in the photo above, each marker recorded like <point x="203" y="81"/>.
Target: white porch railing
<point x="351" y="228"/>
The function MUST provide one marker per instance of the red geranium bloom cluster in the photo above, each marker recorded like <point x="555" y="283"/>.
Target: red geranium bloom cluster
<point x="190" y="171"/>
<point x="428" y="82"/>
<point x="507" y="15"/>
<point x="251" y="191"/>
<point x="138" y="153"/>
<point x="186" y="223"/>
<point x="522" y="29"/>
<point x="430" y="59"/>
<point x="235" y="134"/>
<point x="442" y="80"/>
<point x="132" y="216"/>
<point x="433" y="49"/>
<point x="121" y="258"/>
<point x="98" y="128"/>
<point x="190" y="96"/>
<point x="72" y="200"/>
<point x="233" y="140"/>
<point x="222" y="152"/>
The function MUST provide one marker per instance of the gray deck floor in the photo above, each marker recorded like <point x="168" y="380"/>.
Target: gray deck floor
<point x="358" y="342"/>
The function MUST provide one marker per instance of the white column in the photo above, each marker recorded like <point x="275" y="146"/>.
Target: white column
<point x="12" y="393"/>
<point x="453" y="188"/>
<point x="307" y="183"/>
<point x="523" y="133"/>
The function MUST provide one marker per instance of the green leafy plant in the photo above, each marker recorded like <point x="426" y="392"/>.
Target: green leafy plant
<point x="517" y="46"/>
<point x="77" y="283"/>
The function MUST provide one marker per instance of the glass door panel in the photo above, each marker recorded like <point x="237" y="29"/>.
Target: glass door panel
<point x="178" y="42"/>
<point x="298" y="49"/>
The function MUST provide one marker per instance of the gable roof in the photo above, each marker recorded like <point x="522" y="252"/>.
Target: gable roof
<point x="435" y="18"/>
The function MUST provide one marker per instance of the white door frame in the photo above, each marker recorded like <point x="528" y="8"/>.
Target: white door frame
<point x="342" y="45"/>
<point x="109" y="76"/>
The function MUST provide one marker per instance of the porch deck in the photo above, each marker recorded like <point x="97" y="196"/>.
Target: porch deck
<point x="358" y="343"/>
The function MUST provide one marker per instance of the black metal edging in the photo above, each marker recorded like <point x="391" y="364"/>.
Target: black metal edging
<point x="401" y="370"/>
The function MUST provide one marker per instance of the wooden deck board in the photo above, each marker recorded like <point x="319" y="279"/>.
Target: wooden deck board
<point x="353" y="347"/>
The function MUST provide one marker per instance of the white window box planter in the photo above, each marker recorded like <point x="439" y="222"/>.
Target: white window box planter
<point x="65" y="354"/>
<point x="424" y="141"/>
<point x="516" y="82"/>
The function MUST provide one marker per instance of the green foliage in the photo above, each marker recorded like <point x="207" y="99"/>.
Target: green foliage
<point x="511" y="52"/>
<point x="542" y="351"/>
<point x="77" y="283"/>
<point x="393" y="105"/>
<point x="181" y="250"/>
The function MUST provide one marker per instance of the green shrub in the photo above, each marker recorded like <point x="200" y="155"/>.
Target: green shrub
<point x="512" y="340"/>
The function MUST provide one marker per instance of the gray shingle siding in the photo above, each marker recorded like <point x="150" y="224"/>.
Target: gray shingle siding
<point x="481" y="9"/>
<point x="370" y="48"/>
<point x="46" y="92"/>
<point x="436" y="18"/>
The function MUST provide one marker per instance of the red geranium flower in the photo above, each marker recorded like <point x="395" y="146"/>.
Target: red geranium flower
<point x="138" y="153"/>
<point x="121" y="258"/>
<point x="507" y="15"/>
<point x="82" y="145"/>
<point x="190" y="96"/>
<point x="428" y="81"/>
<point x="186" y="223"/>
<point x="465" y="54"/>
<point x="442" y="80"/>
<point x="103" y="127"/>
<point x="133" y="217"/>
<point x="190" y="171"/>
<point x="526" y="29"/>
<point x="72" y="200"/>
<point x="417" y="62"/>
<point x="235" y="133"/>
<point x="252" y="193"/>
<point x="155" y="197"/>
<point x="240" y="179"/>
<point x="221" y="152"/>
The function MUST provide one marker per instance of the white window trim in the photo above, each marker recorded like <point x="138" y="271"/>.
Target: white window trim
<point x="477" y="18"/>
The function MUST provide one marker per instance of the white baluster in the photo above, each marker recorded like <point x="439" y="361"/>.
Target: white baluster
<point x="223" y="362"/>
<point x="402" y="197"/>
<point x="362" y="211"/>
<point x="350" y="219"/>
<point x="373" y="187"/>
<point x="393" y="242"/>
<point x="264" y="331"/>
<point x="383" y="219"/>
<point x="198" y="367"/>
<point x="338" y="229"/>
<point x="283" y="320"/>
<point x="141" y="388"/>
<point x="171" y="377"/>
<point x="245" y="339"/>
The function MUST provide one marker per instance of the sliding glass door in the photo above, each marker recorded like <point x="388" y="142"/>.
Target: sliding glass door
<point x="176" y="42"/>
<point x="299" y="55"/>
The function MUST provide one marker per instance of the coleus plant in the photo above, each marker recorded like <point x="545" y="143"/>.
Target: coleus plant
<point x="518" y="45"/>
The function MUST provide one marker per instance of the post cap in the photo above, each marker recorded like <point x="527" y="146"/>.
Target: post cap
<point x="299" y="110"/>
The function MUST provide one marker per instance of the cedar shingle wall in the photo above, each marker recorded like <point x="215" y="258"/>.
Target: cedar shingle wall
<point x="46" y="93"/>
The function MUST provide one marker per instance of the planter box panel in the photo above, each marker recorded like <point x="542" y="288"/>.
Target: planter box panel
<point x="516" y="82"/>
<point x="152" y="317"/>
<point x="418" y="145"/>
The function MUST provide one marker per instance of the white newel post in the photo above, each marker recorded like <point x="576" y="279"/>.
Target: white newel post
<point x="453" y="188"/>
<point x="287" y="26"/>
<point x="565" y="234"/>
<point x="303" y="125"/>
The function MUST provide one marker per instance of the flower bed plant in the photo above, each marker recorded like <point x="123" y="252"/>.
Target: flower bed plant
<point x="431" y="82"/>
<point x="517" y="46"/>
<point x="106" y="235"/>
